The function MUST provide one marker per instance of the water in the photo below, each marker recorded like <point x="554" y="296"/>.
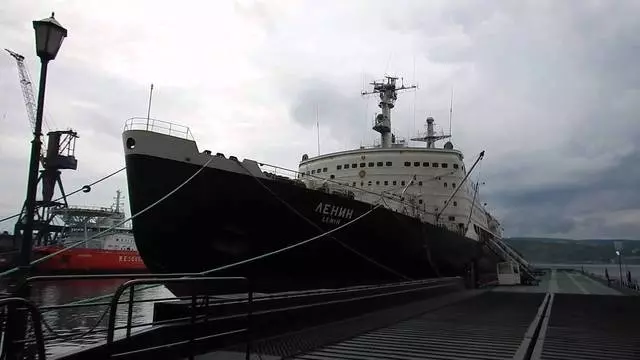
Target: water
<point x="72" y="324"/>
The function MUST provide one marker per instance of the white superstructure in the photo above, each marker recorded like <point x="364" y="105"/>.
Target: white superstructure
<point x="428" y="183"/>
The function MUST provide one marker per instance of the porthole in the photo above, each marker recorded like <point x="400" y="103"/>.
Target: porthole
<point x="131" y="143"/>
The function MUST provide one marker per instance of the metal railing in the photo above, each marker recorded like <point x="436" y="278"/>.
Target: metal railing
<point x="159" y="126"/>
<point x="193" y="283"/>
<point x="55" y="336"/>
<point x="14" y="313"/>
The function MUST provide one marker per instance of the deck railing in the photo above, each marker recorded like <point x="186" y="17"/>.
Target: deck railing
<point x="159" y="126"/>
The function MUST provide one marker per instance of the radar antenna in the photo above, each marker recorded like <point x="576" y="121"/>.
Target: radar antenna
<point x="388" y="95"/>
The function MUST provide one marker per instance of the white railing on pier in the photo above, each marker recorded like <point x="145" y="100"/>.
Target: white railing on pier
<point x="159" y="126"/>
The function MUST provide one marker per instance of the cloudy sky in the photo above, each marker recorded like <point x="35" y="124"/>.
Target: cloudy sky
<point x="550" y="89"/>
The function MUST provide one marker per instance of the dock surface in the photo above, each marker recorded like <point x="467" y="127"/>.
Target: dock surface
<point x="568" y="315"/>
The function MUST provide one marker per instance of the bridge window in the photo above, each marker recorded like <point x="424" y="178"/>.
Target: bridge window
<point x="370" y="164"/>
<point x="455" y="166"/>
<point x="386" y="182"/>
<point x="425" y="164"/>
<point x="339" y="167"/>
<point x="379" y="163"/>
<point x="363" y="164"/>
<point x="417" y="163"/>
<point x="389" y="163"/>
<point x="407" y="163"/>
<point x="434" y="164"/>
<point x="445" y="165"/>
<point x="346" y="166"/>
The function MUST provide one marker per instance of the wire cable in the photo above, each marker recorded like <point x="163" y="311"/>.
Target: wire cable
<point x="83" y="188"/>
<point x="78" y="243"/>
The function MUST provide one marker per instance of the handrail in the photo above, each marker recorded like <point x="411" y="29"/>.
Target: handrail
<point x="35" y="318"/>
<point x="130" y="285"/>
<point x="159" y="126"/>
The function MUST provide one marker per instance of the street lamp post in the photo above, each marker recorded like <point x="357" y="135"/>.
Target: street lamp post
<point x="49" y="36"/>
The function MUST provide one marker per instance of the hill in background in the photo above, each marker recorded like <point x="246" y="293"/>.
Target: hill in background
<point x="568" y="251"/>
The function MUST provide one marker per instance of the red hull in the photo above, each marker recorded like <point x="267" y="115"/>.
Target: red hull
<point x="89" y="260"/>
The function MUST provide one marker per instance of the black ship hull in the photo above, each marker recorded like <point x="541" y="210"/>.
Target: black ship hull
<point x="221" y="217"/>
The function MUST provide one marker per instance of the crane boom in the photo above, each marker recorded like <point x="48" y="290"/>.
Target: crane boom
<point x="27" y="93"/>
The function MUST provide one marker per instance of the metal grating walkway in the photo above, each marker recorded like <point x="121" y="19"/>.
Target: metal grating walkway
<point x="590" y="327"/>
<point x="489" y="326"/>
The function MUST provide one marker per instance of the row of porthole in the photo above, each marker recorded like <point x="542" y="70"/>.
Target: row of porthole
<point x="380" y="164"/>
<point x="395" y="182"/>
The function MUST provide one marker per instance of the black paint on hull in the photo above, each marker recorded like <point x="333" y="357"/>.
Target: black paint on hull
<point x="223" y="217"/>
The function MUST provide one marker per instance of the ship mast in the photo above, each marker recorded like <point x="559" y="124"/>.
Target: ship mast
<point x="388" y="95"/>
<point x="431" y="137"/>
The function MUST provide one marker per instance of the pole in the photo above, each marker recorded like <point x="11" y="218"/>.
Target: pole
<point x="34" y="167"/>
<point x="149" y="109"/>
<point x="620" y="265"/>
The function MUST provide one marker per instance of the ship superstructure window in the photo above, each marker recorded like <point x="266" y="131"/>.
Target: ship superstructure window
<point x="361" y="183"/>
<point x="380" y="163"/>
<point x="354" y="183"/>
<point x="346" y="166"/>
<point x="434" y="164"/>
<point x="313" y="171"/>
<point x="453" y="185"/>
<point x="353" y="166"/>
<point x="389" y="163"/>
<point x="417" y="163"/>
<point x="369" y="183"/>
<point x="402" y="183"/>
<point x="363" y="164"/>
<point x="420" y="183"/>
<point x="445" y="165"/>
<point x="455" y="166"/>
<point x="455" y="203"/>
<point x="307" y="172"/>
<point x="386" y="182"/>
<point x="324" y="170"/>
<point x="395" y="182"/>
<point x="407" y="163"/>
<point x="370" y="164"/>
<point x="339" y="167"/>
<point x="420" y="201"/>
<point x="445" y="185"/>
<point x="378" y="182"/>
<point x="425" y="164"/>
<point x="332" y="176"/>
<point x="452" y="218"/>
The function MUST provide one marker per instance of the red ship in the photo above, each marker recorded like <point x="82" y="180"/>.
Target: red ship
<point x="113" y="250"/>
